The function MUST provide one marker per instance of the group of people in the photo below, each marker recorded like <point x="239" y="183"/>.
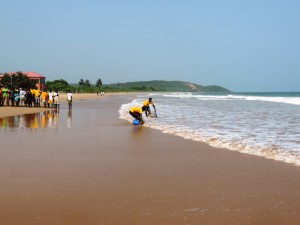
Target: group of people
<point x="137" y="112"/>
<point x="49" y="99"/>
<point x="31" y="98"/>
<point x="101" y="93"/>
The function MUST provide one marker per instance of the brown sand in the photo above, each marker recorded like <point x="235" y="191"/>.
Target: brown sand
<point x="106" y="171"/>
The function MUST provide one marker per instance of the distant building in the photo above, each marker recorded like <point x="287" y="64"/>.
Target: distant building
<point x="40" y="80"/>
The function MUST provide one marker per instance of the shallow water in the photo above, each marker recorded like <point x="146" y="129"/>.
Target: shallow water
<point x="263" y="124"/>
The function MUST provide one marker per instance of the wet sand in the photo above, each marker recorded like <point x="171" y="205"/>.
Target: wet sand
<point x="11" y="111"/>
<point x="93" y="168"/>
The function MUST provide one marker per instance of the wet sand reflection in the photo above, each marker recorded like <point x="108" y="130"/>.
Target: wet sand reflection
<point x="32" y="121"/>
<point x="69" y="119"/>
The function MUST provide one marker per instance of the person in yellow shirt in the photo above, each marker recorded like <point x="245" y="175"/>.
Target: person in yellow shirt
<point x="146" y="107"/>
<point x="32" y="91"/>
<point x="137" y="112"/>
<point x="37" y="94"/>
<point x="45" y="98"/>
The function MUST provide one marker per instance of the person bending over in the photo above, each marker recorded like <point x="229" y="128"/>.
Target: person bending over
<point x="137" y="112"/>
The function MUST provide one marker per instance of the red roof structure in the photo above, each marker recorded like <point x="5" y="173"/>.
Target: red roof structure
<point x="33" y="75"/>
<point x="41" y="80"/>
<point x="29" y="74"/>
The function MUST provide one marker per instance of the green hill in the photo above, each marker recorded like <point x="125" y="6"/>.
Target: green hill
<point x="164" y="86"/>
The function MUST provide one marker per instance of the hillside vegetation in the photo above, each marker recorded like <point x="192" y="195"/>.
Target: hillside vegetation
<point x="163" y="86"/>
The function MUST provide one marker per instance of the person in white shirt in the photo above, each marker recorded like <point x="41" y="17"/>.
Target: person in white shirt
<point x="69" y="99"/>
<point x="22" y="97"/>
<point x="56" y="99"/>
<point x="50" y="101"/>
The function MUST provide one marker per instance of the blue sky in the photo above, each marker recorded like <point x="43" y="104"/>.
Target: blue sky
<point x="240" y="45"/>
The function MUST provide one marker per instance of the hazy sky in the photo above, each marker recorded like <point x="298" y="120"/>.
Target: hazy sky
<point x="251" y="45"/>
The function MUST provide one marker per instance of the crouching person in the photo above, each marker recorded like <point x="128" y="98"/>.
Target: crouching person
<point x="136" y="112"/>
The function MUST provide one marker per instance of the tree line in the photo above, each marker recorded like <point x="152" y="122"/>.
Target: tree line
<point x="21" y="80"/>
<point x="82" y="86"/>
<point x="87" y="83"/>
<point x="17" y="80"/>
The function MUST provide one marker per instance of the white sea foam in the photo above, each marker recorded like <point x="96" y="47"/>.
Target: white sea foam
<point x="287" y="100"/>
<point x="255" y="125"/>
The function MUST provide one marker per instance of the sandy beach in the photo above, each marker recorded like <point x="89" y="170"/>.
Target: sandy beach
<point x="93" y="168"/>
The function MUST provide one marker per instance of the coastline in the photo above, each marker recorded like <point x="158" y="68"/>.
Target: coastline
<point x="106" y="171"/>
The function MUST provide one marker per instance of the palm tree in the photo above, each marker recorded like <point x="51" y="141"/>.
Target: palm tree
<point x="81" y="82"/>
<point x="99" y="83"/>
<point x="87" y="83"/>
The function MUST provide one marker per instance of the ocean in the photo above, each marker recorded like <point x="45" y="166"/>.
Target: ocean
<point x="265" y="124"/>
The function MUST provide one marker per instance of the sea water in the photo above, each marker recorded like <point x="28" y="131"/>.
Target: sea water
<point x="263" y="124"/>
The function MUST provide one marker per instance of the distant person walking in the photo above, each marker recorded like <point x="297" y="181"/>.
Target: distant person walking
<point x="69" y="99"/>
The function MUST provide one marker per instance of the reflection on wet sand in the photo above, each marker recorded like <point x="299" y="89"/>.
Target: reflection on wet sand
<point x="137" y="130"/>
<point x="69" y="120"/>
<point x="33" y="121"/>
